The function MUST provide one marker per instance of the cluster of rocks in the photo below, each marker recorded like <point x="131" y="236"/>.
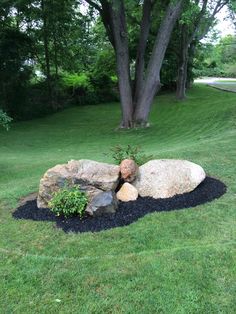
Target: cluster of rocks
<point x="106" y="184"/>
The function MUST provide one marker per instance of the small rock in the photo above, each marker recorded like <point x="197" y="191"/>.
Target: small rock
<point x="103" y="203"/>
<point x="128" y="170"/>
<point x="127" y="193"/>
<point x="27" y="198"/>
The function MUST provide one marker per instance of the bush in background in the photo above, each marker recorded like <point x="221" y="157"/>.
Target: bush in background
<point x="5" y="120"/>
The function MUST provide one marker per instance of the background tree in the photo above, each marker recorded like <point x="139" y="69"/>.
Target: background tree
<point x="135" y="110"/>
<point x="218" y="59"/>
<point x="196" y="22"/>
<point x="16" y="49"/>
<point x="55" y="54"/>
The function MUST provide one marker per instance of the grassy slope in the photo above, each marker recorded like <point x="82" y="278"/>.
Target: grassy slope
<point x="177" y="262"/>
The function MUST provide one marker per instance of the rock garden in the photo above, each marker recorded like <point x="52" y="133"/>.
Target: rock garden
<point x="86" y="195"/>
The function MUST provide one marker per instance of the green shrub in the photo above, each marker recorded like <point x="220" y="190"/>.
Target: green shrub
<point x="230" y="70"/>
<point x="209" y="72"/>
<point x="104" y="87"/>
<point x="114" y="79"/>
<point x="76" y="80"/>
<point x="120" y="153"/>
<point x="4" y="119"/>
<point x="69" y="202"/>
<point x="89" y="88"/>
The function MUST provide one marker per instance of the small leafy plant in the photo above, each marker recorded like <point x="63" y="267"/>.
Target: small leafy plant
<point x="120" y="153"/>
<point x="4" y="119"/>
<point x="69" y="202"/>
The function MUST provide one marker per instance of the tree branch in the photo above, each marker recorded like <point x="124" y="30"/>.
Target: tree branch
<point x="142" y="44"/>
<point x="94" y="5"/>
<point x="107" y="20"/>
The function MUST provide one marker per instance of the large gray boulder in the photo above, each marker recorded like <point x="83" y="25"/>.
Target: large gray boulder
<point x="168" y="177"/>
<point x="92" y="176"/>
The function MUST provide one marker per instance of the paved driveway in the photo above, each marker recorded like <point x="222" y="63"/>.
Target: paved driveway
<point x="226" y="84"/>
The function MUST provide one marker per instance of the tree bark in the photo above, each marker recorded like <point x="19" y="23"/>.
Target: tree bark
<point x="119" y="31"/>
<point x="183" y="64"/>
<point x="142" y="44"/>
<point x="152" y="82"/>
<point x="45" y="41"/>
<point x="191" y="53"/>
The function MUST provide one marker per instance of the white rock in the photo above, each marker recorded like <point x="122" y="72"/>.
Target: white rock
<point x="168" y="177"/>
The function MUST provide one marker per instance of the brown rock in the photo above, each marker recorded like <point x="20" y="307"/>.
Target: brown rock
<point x="128" y="170"/>
<point x="93" y="178"/>
<point x="98" y="174"/>
<point x="53" y="180"/>
<point x="127" y="193"/>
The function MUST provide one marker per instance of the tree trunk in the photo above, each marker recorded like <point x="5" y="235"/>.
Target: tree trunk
<point x="183" y="64"/>
<point x="142" y="44"/>
<point x="122" y="60"/>
<point x="152" y="82"/>
<point x="45" y="41"/>
<point x="192" y="49"/>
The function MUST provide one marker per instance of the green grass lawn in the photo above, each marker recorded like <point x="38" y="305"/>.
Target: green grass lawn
<point x="175" y="262"/>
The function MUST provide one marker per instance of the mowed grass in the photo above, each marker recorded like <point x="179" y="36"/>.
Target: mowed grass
<point x="176" y="262"/>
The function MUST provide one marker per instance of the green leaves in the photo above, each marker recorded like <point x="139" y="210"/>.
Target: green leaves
<point x="69" y="202"/>
<point x="189" y="14"/>
<point x="4" y="119"/>
<point x="76" y="80"/>
<point x="135" y="153"/>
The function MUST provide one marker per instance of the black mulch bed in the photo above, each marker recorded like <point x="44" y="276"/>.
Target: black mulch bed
<point x="127" y="213"/>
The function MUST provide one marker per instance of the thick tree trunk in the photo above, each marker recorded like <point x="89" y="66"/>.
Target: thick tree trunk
<point x="142" y="44"/>
<point x="183" y="64"/>
<point x="119" y="31"/>
<point x="152" y="82"/>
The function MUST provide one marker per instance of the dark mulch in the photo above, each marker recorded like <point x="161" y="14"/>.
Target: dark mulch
<point x="127" y="213"/>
